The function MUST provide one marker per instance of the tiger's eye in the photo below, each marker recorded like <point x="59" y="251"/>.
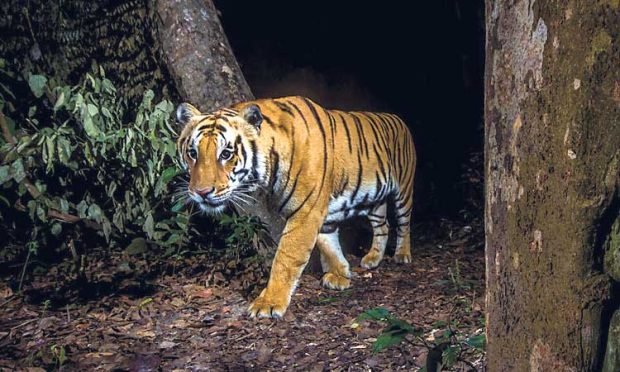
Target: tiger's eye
<point x="225" y="155"/>
<point x="192" y="153"/>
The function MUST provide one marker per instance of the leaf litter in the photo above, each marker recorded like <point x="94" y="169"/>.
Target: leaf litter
<point x="196" y="320"/>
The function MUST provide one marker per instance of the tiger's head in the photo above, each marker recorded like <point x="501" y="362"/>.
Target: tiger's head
<point x="220" y="152"/>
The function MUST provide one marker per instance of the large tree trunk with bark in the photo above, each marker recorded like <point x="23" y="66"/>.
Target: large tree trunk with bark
<point x="552" y="169"/>
<point x="197" y="53"/>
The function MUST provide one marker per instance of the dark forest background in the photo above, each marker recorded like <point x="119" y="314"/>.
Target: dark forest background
<point x="421" y="60"/>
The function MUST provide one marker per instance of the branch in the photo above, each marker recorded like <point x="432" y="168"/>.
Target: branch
<point x="34" y="191"/>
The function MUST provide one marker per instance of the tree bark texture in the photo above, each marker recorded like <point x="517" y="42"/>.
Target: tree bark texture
<point x="198" y="55"/>
<point x="552" y="164"/>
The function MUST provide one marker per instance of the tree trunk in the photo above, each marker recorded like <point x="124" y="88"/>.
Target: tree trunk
<point x="198" y="55"/>
<point x="552" y="140"/>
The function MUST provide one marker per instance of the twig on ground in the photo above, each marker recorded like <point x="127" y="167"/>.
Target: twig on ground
<point x="23" y="324"/>
<point x="21" y="278"/>
<point x="244" y="336"/>
<point x="12" y="298"/>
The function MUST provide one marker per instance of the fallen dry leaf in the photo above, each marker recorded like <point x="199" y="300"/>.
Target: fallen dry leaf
<point x="188" y="326"/>
<point x="167" y="344"/>
<point x="145" y="333"/>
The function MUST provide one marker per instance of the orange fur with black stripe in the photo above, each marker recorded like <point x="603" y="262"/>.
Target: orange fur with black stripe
<point x="315" y="168"/>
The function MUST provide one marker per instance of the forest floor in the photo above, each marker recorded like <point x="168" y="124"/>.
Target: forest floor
<point x="132" y="318"/>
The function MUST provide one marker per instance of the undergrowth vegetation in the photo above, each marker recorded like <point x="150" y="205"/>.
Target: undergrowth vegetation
<point x="447" y="345"/>
<point x="80" y="167"/>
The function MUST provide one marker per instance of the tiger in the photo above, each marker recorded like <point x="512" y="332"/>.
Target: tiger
<point x="313" y="167"/>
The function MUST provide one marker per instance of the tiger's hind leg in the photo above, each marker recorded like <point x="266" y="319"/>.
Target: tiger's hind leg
<point x="380" y="229"/>
<point x="335" y="265"/>
<point x="403" y="206"/>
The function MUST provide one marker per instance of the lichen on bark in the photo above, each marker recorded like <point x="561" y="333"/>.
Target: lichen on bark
<point x="551" y="180"/>
<point x="612" y="352"/>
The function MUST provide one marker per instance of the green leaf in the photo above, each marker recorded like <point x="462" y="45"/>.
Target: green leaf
<point x="178" y="206"/>
<point x="17" y="170"/>
<point x="110" y="189"/>
<point x="93" y="82"/>
<point x="387" y="339"/>
<point x="147" y="98"/>
<point x="78" y="102"/>
<point x="59" y="101"/>
<point x="5" y="174"/>
<point x="107" y="86"/>
<point x="378" y="313"/>
<point x="477" y="342"/>
<point x="41" y="213"/>
<point x="107" y="228"/>
<point x="118" y="220"/>
<point x="449" y="355"/>
<point x="32" y="246"/>
<point x="95" y="213"/>
<point x="50" y="151"/>
<point x="149" y="225"/>
<point x="132" y="158"/>
<point x="168" y="174"/>
<point x="37" y="84"/>
<point x="92" y="109"/>
<point x="137" y="246"/>
<point x="106" y="112"/>
<point x="32" y="208"/>
<point x="64" y="150"/>
<point x="64" y="206"/>
<point x="396" y="323"/>
<point x="82" y="208"/>
<point x="56" y="229"/>
<point x="90" y="128"/>
<point x="172" y="239"/>
<point x="10" y="124"/>
<point x="21" y="190"/>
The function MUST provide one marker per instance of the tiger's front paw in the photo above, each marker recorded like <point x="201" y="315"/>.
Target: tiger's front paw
<point x="335" y="281"/>
<point x="267" y="307"/>
<point x="371" y="260"/>
<point x="402" y="257"/>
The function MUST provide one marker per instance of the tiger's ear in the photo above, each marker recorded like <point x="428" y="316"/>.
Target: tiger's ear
<point x="185" y="112"/>
<point x="251" y="114"/>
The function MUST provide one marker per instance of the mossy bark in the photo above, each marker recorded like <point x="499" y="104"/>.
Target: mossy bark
<point x="552" y="144"/>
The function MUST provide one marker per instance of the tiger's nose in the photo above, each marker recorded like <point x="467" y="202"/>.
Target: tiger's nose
<point x="205" y="191"/>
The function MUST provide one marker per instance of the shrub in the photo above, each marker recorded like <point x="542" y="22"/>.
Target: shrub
<point x="80" y="156"/>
